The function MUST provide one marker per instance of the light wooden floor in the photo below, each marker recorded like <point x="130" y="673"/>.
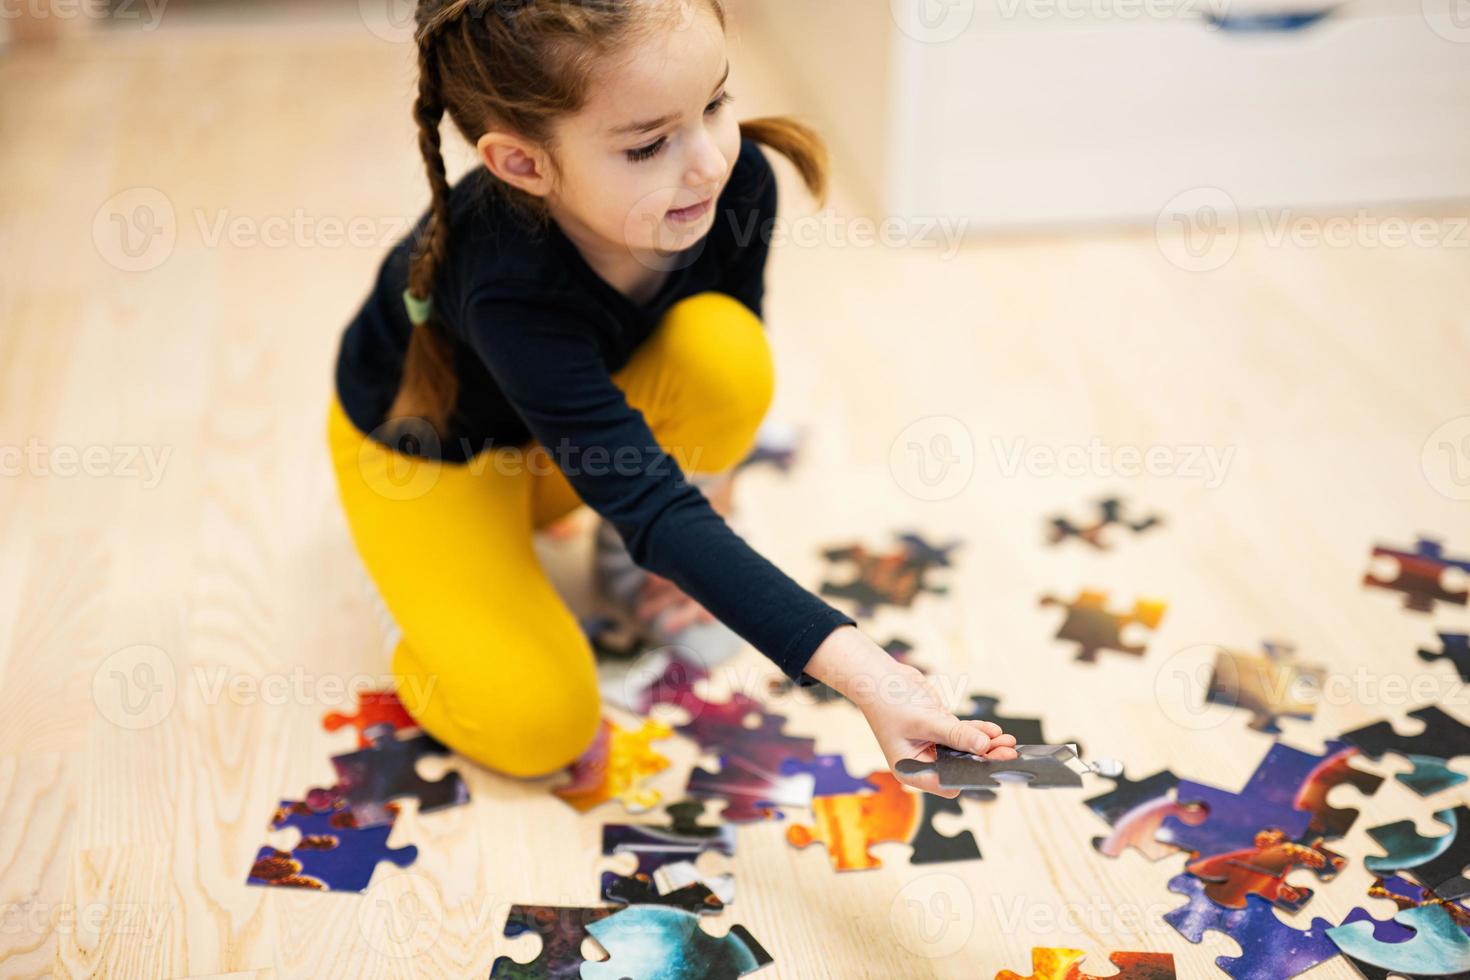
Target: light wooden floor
<point x="126" y="836"/>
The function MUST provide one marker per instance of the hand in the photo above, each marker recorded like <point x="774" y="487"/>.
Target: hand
<point x="902" y="706"/>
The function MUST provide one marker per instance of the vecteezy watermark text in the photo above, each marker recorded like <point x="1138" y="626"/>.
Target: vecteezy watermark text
<point x="1096" y="458"/>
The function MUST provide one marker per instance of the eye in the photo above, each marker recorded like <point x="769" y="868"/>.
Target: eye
<point x="725" y="99"/>
<point x="646" y="152"/>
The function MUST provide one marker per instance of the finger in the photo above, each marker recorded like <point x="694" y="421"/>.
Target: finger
<point x="928" y="782"/>
<point x="1006" y="740"/>
<point x="989" y="728"/>
<point x="967" y="736"/>
<point x="1002" y="753"/>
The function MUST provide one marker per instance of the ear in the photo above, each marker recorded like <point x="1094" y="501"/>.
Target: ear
<point x="518" y="162"/>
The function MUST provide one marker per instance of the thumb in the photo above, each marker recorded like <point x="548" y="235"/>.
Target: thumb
<point x="966" y="736"/>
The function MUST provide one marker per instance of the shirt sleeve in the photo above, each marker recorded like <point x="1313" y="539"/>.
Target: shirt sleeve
<point x="745" y="276"/>
<point x="547" y="362"/>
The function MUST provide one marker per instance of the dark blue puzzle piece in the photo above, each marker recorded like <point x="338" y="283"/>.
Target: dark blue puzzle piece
<point x="1270" y="949"/>
<point x="368" y="779"/>
<point x="1454" y="647"/>
<point x="333" y="853"/>
<point x="829" y="776"/>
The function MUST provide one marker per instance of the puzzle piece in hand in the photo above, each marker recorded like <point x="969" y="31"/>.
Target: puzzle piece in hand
<point x="1110" y="514"/>
<point x="1270" y="949"/>
<point x="615" y="767"/>
<point x="818" y="693"/>
<point x="654" y="942"/>
<point x="1262" y="870"/>
<point x="849" y="825"/>
<point x="1442" y="739"/>
<point x="1064" y="964"/>
<point x="1437" y="947"/>
<point x="1290" y="777"/>
<point x="562" y="931"/>
<point x="333" y="854"/>
<point x="369" y="778"/>
<point x="1231" y="823"/>
<point x="829" y="776"/>
<point x="750" y="792"/>
<point x="1420" y="575"/>
<point x="1454" y="647"/>
<point x="1093" y="628"/>
<point x="894" y="578"/>
<point x="1437" y="863"/>
<point x="1038" y="766"/>
<point x="1270" y="687"/>
<point x="1135" y="811"/>
<point x="373" y="708"/>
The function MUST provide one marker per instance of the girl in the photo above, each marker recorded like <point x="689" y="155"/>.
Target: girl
<point x="579" y="321"/>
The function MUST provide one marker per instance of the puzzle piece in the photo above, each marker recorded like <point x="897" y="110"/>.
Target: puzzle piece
<point x="562" y="930"/>
<point x="693" y="896"/>
<point x="659" y="848"/>
<point x="1270" y="949"/>
<point x="1262" y="869"/>
<point x="1026" y="731"/>
<point x="631" y="674"/>
<point x="1420" y="575"/>
<point x="615" y="767"/>
<point x="1437" y="863"/>
<point x="1290" y="777"/>
<point x="1407" y="895"/>
<point x="1093" y="628"/>
<point x="829" y="776"/>
<point x="333" y="854"/>
<point x="1270" y="687"/>
<point x="1231" y="823"/>
<point x="1038" y="766"/>
<point x="373" y="708"/>
<point x="1063" y="964"/>
<point x="1136" y="810"/>
<point x="894" y="578"/>
<point x="849" y="825"/>
<point x="654" y="942"/>
<point x="368" y="779"/>
<point x="1442" y="739"/>
<point x="739" y="727"/>
<point x="750" y="792"/>
<point x="1454" y="647"/>
<point x="1110" y="514"/>
<point x="1437" y="947"/>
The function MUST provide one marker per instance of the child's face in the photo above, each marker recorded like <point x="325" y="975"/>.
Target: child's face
<point x="652" y="190"/>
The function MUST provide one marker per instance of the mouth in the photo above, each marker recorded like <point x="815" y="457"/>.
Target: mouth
<point x="692" y="213"/>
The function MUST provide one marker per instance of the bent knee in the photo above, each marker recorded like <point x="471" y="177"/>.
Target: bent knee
<point x="494" y="710"/>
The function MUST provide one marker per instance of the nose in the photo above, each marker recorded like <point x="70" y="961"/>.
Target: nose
<point x="707" y="165"/>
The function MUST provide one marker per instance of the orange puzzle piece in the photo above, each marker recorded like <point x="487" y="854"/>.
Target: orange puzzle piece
<point x="848" y="823"/>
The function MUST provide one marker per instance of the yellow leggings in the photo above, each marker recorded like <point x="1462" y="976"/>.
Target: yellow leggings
<point x="492" y="662"/>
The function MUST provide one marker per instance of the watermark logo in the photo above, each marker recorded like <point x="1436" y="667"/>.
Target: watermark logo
<point x="135" y="230"/>
<point x="932" y="21"/>
<point x="401" y="916"/>
<point x="135" y="687"/>
<point x="1450" y="19"/>
<point x="1198" y="230"/>
<point x="933" y="458"/>
<point x="1445" y="459"/>
<point x="933" y="916"/>
<point x="399" y="460"/>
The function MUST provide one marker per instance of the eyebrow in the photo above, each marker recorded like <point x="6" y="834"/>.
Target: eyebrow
<point x="648" y="125"/>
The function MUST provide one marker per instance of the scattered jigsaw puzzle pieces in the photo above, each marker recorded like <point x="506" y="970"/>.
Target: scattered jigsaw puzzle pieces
<point x="1290" y="777"/>
<point x="1437" y="947"/>
<point x="655" y="942"/>
<point x="1419" y="575"/>
<point x="1136" y="810"/>
<point x="750" y="792"/>
<point x="666" y="854"/>
<point x="1110" y="514"/>
<point x="849" y="825"/>
<point x="829" y="776"/>
<point x="562" y="930"/>
<point x="373" y="708"/>
<point x="1437" y="863"/>
<point x="333" y="854"/>
<point x="739" y="727"/>
<point x="616" y="767"/>
<point x="894" y="578"/>
<point x="1231" y="823"/>
<point x="368" y="780"/>
<point x="1269" y="687"/>
<point x="1270" y="949"/>
<point x="1093" y="628"/>
<point x="1455" y="648"/>
<point x="1407" y="895"/>
<point x="1064" y="964"/>
<point x="1442" y="739"/>
<point x="1038" y="766"/>
<point x="1262" y="869"/>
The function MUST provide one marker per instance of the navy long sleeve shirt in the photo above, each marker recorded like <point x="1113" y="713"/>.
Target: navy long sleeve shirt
<point x="536" y="335"/>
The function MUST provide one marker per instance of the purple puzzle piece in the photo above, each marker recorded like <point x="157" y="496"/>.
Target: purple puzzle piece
<point x="333" y="854"/>
<point x="829" y="776"/>
<point x="369" y="778"/>
<point x="749" y="792"/>
<point x="1292" y="778"/>
<point x="1231" y="822"/>
<point x="1270" y="949"/>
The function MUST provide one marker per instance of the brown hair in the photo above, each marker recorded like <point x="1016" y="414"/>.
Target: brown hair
<point x="522" y="64"/>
